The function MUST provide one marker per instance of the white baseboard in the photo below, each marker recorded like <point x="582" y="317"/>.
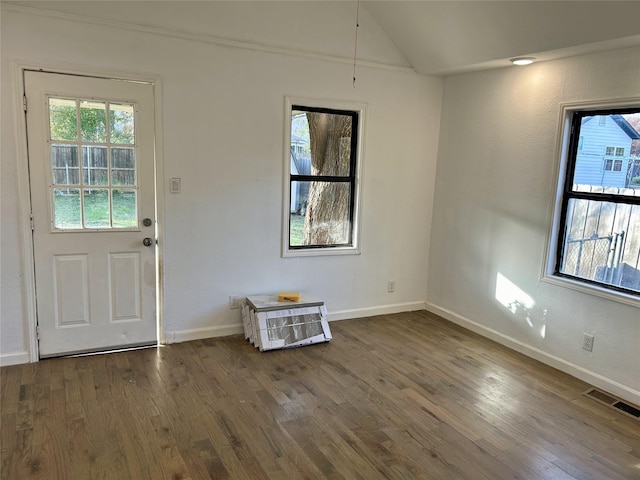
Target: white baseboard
<point x="225" y="330"/>
<point x="572" y="369"/>
<point x="202" y="333"/>
<point x="13" y="358"/>
<point x="377" y="310"/>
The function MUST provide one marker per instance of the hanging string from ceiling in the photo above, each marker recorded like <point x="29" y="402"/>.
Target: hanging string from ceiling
<point x="355" y="46"/>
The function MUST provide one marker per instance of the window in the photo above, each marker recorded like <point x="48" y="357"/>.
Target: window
<point x="614" y="151"/>
<point x="617" y="165"/>
<point x="612" y="165"/>
<point x="598" y="234"/>
<point x="93" y="165"/>
<point x="322" y="144"/>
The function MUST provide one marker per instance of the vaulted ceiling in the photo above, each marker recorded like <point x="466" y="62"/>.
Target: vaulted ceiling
<point x="446" y="36"/>
<point x="430" y="37"/>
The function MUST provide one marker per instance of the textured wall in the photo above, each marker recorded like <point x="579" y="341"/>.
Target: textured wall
<point x="495" y="185"/>
<point x="222" y="114"/>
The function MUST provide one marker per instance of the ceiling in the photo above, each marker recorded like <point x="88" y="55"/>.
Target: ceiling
<point x="443" y="37"/>
<point x="431" y="37"/>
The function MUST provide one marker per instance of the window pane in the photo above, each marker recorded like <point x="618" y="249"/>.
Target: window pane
<point x="320" y="211"/>
<point x="66" y="208"/>
<point x="64" y="165"/>
<point x="296" y="230"/>
<point x="96" y="208"/>
<point x="95" y="166"/>
<point x="121" y="123"/>
<point x="608" y="164"/>
<point x="123" y="166"/>
<point x="300" y="144"/>
<point x="617" y="166"/>
<point x="602" y="243"/>
<point x="321" y="143"/>
<point x="125" y="209"/>
<point x="63" y="119"/>
<point x="616" y="137"/>
<point x="93" y="121"/>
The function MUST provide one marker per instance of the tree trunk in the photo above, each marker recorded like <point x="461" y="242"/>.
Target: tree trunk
<point x="327" y="215"/>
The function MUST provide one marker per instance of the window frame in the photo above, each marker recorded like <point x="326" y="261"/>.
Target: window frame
<point x="568" y="146"/>
<point x="355" y="178"/>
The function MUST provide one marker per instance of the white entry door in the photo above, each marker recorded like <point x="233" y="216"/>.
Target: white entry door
<point x="91" y="166"/>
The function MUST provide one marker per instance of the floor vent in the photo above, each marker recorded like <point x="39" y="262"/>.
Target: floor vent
<point x="611" y="401"/>
<point x="626" y="408"/>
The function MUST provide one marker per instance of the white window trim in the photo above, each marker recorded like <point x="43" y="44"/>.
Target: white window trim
<point x="559" y="171"/>
<point x="361" y="109"/>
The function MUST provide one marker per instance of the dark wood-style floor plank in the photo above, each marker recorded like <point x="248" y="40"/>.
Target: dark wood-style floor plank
<point x="405" y="396"/>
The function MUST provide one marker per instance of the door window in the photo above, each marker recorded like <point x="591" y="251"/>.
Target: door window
<point x="93" y="164"/>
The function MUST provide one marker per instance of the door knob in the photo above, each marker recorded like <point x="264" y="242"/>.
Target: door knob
<point x="147" y="242"/>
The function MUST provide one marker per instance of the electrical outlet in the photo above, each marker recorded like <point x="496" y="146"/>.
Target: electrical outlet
<point x="391" y="286"/>
<point x="587" y="342"/>
<point x="234" y="302"/>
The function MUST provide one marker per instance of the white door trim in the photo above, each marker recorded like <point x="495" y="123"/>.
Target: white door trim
<point x="24" y="200"/>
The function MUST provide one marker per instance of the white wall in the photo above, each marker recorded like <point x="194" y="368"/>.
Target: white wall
<point x="494" y="188"/>
<point x="222" y="118"/>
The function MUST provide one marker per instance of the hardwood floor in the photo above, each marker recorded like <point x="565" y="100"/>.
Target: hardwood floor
<point x="400" y="396"/>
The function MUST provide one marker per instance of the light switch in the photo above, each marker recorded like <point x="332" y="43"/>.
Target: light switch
<point x="176" y="185"/>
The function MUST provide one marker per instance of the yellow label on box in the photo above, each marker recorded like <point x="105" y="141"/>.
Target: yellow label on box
<point x="289" y="296"/>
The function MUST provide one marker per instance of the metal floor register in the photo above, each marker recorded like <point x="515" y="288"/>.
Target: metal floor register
<point x="270" y="324"/>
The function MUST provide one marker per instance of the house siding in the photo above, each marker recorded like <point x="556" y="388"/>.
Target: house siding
<point x="591" y="154"/>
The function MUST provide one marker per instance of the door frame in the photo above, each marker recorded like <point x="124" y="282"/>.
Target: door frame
<point x="24" y="189"/>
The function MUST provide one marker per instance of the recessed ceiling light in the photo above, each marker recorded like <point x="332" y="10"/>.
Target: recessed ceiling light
<point x="522" y="60"/>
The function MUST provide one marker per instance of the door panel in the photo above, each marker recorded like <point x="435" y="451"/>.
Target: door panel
<point x="124" y="275"/>
<point x="70" y="286"/>
<point x="91" y="161"/>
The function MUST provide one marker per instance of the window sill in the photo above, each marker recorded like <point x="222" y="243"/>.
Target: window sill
<point x="595" y="290"/>
<point x="319" y="252"/>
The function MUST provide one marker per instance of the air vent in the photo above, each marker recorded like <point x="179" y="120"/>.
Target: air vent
<point x="611" y="401"/>
<point x="600" y="396"/>
<point x="626" y="408"/>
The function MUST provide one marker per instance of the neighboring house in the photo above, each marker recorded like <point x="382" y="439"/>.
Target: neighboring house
<point x="299" y="144"/>
<point x="604" y="153"/>
<point x="300" y="165"/>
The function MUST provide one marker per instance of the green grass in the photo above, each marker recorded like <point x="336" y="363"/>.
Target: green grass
<point x="96" y="209"/>
<point x="296" y="225"/>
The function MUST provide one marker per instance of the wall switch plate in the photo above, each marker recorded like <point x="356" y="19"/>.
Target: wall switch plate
<point x="176" y="185"/>
<point x="391" y="286"/>
<point x="587" y="342"/>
